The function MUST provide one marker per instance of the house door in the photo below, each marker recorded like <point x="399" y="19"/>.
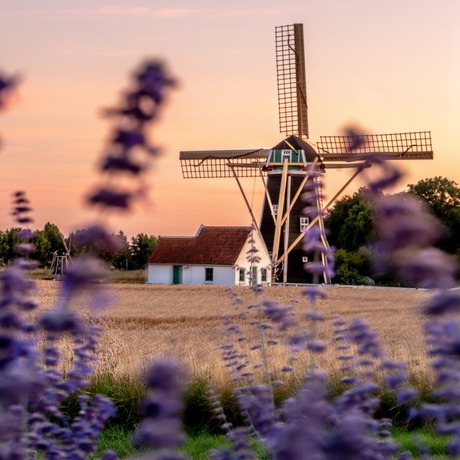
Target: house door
<point x="177" y="274"/>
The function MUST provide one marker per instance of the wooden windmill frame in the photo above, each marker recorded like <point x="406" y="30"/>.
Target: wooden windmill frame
<point x="61" y="260"/>
<point x="330" y="152"/>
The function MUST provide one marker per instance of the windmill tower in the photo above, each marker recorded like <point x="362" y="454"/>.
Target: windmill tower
<point x="285" y="168"/>
<point x="61" y="260"/>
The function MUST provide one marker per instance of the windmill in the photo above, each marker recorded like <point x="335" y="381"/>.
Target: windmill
<point x="61" y="260"/>
<point x="285" y="168"/>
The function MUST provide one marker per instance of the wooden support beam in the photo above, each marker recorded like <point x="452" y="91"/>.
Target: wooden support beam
<point x="254" y="222"/>
<point x="279" y="216"/>
<point x="315" y="220"/>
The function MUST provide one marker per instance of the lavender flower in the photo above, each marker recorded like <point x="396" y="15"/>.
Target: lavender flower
<point x="162" y="408"/>
<point x="404" y="223"/>
<point x="427" y="268"/>
<point x="21" y="208"/>
<point x="140" y="106"/>
<point x="442" y="302"/>
<point x="111" y="198"/>
<point x="314" y="237"/>
<point x="97" y="237"/>
<point x="8" y="85"/>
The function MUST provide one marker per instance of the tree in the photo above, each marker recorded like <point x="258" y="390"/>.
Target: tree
<point x="42" y="253"/>
<point x="443" y="197"/>
<point x="351" y="267"/>
<point x="440" y="193"/>
<point x="141" y="247"/>
<point x="350" y="222"/>
<point x="54" y="237"/>
<point x="8" y="241"/>
<point x="120" y="258"/>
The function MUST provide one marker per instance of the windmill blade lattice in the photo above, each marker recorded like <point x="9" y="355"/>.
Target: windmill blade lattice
<point x="291" y="78"/>
<point x="398" y="146"/>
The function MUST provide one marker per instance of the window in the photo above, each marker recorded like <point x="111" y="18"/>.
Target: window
<point x="209" y="274"/>
<point x="253" y="275"/>
<point x="275" y="209"/>
<point x="242" y="275"/>
<point x="263" y="275"/>
<point x="304" y="221"/>
<point x="286" y="154"/>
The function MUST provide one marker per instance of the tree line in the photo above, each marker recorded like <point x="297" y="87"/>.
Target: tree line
<point x="349" y="224"/>
<point x="130" y="254"/>
<point x="351" y="229"/>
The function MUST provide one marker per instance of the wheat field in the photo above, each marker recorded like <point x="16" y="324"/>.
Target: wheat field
<point x="147" y="321"/>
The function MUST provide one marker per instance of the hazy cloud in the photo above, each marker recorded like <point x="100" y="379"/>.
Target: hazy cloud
<point x="118" y="10"/>
<point x="172" y="12"/>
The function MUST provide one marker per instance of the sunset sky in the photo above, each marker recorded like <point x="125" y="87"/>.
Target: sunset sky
<point x="387" y="66"/>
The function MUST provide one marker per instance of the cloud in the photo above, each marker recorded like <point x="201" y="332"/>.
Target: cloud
<point x="118" y="10"/>
<point x="172" y="12"/>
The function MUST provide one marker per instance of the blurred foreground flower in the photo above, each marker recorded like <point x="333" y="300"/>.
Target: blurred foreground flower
<point x="129" y="152"/>
<point x="7" y="85"/>
<point x="161" y="410"/>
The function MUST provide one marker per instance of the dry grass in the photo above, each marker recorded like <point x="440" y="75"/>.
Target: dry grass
<point x="186" y="321"/>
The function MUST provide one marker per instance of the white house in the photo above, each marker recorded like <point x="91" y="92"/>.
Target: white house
<point x="215" y="255"/>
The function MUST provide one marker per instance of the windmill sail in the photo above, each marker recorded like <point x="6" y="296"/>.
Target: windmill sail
<point x="291" y="78"/>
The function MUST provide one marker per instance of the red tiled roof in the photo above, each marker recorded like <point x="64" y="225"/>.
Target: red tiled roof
<point x="211" y="245"/>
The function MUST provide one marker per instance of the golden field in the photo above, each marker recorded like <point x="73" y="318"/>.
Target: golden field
<point x="145" y="321"/>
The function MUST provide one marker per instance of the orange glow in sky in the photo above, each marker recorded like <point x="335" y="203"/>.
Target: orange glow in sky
<point x="390" y="66"/>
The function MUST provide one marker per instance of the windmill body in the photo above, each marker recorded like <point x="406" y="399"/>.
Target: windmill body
<point x="61" y="260"/>
<point x="287" y="167"/>
<point x="294" y="156"/>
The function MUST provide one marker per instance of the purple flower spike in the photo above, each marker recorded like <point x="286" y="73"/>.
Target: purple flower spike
<point x="356" y="139"/>
<point x="121" y="163"/>
<point x="165" y="375"/>
<point x="162" y="407"/>
<point x="314" y="293"/>
<point x="7" y="86"/>
<point x="273" y="311"/>
<point x="391" y="177"/>
<point x="25" y="248"/>
<point x="110" y="198"/>
<point x="443" y="302"/>
<point x="406" y="395"/>
<point x="60" y="321"/>
<point x="97" y="237"/>
<point x="297" y="342"/>
<point x="153" y="80"/>
<point x="83" y="272"/>
<point x="316" y="346"/>
<point x="21" y="210"/>
<point x="427" y="268"/>
<point x="25" y="234"/>
<point x="404" y="223"/>
<point x="127" y="139"/>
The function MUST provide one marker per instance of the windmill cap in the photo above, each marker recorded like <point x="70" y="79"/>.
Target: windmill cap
<point x="296" y="143"/>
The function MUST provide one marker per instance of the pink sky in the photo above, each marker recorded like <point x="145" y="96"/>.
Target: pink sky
<point x="390" y="66"/>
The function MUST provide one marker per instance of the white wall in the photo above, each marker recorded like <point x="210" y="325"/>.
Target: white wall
<point x="191" y="274"/>
<point x="221" y="275"/>
<point x="160" y="274"/>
